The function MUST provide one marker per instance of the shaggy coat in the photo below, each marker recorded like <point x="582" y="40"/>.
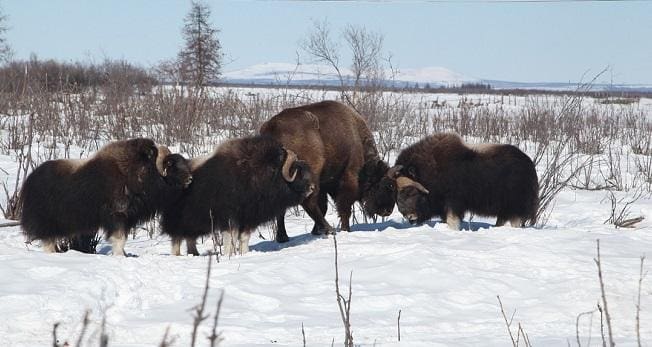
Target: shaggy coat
<point x="441" y="176"/>
<point x="337" y="144"/>
<point x="114" y="190"/>
<point x="244" y="183"/>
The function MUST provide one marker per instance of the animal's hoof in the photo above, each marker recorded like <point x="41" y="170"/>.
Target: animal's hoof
<point x="323" y="231"/>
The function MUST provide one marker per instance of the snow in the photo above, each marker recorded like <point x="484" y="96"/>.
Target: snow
<point x="444" y="282"/>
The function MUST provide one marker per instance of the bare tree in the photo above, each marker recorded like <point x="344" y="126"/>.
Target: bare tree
<point x="321" y="47"/>
<point x="365" y="48"/>
<point x="201" y="56"/>
<point x="5" y="50"/>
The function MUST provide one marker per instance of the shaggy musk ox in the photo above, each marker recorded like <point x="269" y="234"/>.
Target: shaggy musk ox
<point x="244" y="183"/>
<point x="122" y="185"/>
<point x="339" y="148"/>
<point x="441" y="176"/>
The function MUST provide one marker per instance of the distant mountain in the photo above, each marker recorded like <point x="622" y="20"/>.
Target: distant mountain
<point x="314" y="74"/>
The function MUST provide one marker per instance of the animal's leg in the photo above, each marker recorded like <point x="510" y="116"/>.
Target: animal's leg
<point x="346" y="195"/>
<point x="244" y="241"/>
<point x="516" y="222"/>
<point x="229" y="240"/>
<point x="453" y="220"/>
<point x="176" y="246"/>
<point x="500" y="221"/>
<point x="49" y="245"/>
<point x="281" y="233"/>
<point x="118" y="240"/>
<point x="311" y="206"/>
<point x="323" y="207"/>
<point x="191" y="246"/>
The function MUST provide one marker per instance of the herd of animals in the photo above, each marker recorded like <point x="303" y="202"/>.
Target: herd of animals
<point x="300" y="156"/>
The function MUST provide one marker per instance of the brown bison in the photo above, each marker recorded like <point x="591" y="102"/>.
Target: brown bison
<point x="339" y="148"/>
<point x="244" y="183"/>
<point x="122" y="185"/>
<point x="441" y="176"/>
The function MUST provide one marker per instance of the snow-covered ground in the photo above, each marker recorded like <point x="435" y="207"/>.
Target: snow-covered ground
<point x="444" y="282"/>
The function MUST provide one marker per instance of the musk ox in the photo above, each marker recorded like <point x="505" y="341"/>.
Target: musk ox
<point x="441" y="176"/>
<point x="123" y="184"/>
<point x="339" y="148"/>
<point x="244" y="183"/>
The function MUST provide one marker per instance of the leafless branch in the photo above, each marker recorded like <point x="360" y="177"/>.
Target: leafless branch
<point x="344" y="304"/>
<point x="604" y="298"/>
<point x="398" y="325"/>
<point x="577" y="327"/>
<point x="215" y="337"/>
<point x="199" y="316"/>
<point x="641" y="276"/>
<point x="85" y="322"/>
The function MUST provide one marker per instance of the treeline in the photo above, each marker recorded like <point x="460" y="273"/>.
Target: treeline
<point x="50" y="75"/>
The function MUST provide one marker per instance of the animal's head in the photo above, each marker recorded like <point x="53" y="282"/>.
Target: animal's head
<point x="297" y="174"/>
<point x="145" y="149"/>
<point x="174" y="168"/>
<point x="411" y="199"/>
<point x="377" y="188"/>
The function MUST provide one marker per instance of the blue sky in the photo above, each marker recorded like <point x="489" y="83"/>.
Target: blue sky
<point x="528" y="42"/>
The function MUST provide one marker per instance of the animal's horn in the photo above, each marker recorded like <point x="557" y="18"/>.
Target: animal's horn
<point x="289" y="160"/>
<point x="403" y="182"/>
<point x="394" y="171"/>
<point x="162" y="153"/>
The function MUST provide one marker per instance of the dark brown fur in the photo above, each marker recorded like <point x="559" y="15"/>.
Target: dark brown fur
<point x="492" y="180"/>
<point x="337" y="144"/>
<point x="237" y="188"/>
<point x="113" y="191"/>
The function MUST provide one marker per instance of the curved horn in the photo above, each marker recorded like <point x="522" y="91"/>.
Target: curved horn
<point x="394" y="171"/>
<point x="403" y="182"/>
<point x="162" y="153"/>
<point x="289" y="160"/>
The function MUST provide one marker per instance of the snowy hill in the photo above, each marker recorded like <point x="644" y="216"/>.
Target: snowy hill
<point x="324" y="75"/>
<point x="306" y="74"/>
